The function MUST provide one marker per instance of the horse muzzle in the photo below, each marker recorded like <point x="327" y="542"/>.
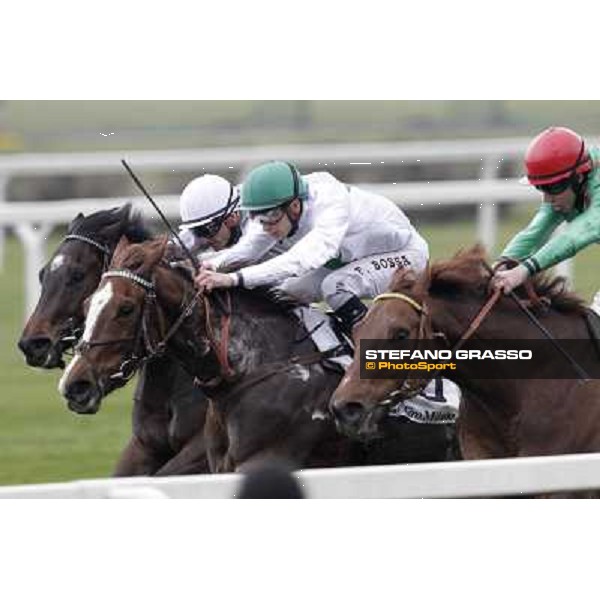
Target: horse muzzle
<point x="357" y="420"/>
<point x="83" y="397"/>
<point x="39" y="351"/>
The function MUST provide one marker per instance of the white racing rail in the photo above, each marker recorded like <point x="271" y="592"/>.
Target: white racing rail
<point x="461" y="479"/>
<point x="33" y="221"/>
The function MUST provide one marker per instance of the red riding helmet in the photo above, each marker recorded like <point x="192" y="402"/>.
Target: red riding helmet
<point x="556" y="153"/>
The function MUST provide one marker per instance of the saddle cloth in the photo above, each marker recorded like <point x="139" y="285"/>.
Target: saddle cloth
<point x="438" y="403"/>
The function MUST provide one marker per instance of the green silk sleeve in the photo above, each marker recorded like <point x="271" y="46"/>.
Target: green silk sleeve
<point x="535" y="235"/>
<point x="582" y="231"/>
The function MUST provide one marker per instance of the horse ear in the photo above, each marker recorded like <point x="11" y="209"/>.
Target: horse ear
<point x="119" y="217"/>
<point x="155" y="251"/>
<point x="120" y="249"/>
<point x="75" y="223"/>
<point x="424" y="279"/>
<point x="403" y="279"/>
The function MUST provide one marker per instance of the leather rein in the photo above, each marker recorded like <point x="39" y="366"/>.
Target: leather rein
<point x="405" y="388"/>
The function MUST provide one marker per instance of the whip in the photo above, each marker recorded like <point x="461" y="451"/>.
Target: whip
<point x="140" y="185"/>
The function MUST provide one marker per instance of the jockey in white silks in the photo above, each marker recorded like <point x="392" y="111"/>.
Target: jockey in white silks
<point x="337" y="243"/>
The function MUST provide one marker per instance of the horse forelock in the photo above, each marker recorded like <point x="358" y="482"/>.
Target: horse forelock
<point x="135" y="230"/>
<point x="110" y="224"/>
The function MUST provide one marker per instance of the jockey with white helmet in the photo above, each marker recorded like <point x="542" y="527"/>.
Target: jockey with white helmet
<point x="209" y="212"/>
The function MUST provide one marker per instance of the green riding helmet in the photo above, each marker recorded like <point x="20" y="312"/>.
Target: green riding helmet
<point x="272" y="184"/>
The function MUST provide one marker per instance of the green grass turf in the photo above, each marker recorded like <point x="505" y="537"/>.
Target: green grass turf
<point x="40" y="440"/>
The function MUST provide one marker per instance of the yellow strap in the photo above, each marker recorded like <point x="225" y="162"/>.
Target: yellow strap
<point x="396" y="295"/>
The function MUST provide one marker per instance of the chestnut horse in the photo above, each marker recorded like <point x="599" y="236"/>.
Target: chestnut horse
<point x="267" y="384"/>
<point x="167" y="437"/>
<point x="498" y="417"/>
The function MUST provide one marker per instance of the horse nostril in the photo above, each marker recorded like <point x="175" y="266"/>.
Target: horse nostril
<point x="350" y="413"/>
<point x="79" y="391"/>
<point x="35" y="346"/>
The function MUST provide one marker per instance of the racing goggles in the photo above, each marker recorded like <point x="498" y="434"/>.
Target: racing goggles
<point x="270" y="216"/>
<point x="208" y="230"/>
<point x="558" y="187"/>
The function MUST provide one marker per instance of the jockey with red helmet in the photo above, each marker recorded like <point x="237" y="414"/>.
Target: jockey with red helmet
<point x="561" y="166"/>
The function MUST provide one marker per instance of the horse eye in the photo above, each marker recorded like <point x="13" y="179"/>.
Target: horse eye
<point x="400" y="334"/>
<point x="134" y="265"/>
<point x="125" y="310"/>
<point x="76" y="277"/>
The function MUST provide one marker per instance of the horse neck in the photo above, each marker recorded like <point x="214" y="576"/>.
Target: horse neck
<point x="256" y="332"/>
<point x="452" y="317"/>
<point x="262" y="329"/>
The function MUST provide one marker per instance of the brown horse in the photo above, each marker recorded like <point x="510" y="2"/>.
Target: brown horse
<point x="167" y="437"/>
<point x="498" y="417"/>
<point x="268" y="386"/>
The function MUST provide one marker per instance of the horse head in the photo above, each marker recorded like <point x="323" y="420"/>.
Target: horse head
<point x="128" y="321"/>
<point x="68" y="278"/>
<point x="359" y="405"/>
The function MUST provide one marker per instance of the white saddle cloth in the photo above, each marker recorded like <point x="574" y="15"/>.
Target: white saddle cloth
<point x="431" y="406"/>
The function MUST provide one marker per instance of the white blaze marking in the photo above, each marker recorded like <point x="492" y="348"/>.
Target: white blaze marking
<point x="57" y="262"/>
<point x="99" y="300"/>
<point x="63" y="379"/>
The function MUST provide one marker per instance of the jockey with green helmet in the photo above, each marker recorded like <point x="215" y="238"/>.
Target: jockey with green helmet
<point x="561" y="166"/>
<point x="339" y="243"/>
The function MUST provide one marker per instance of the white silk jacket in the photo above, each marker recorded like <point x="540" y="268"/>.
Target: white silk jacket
<point x="337" y="222"/>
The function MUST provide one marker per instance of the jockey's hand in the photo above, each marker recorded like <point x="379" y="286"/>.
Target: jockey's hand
<point x="508" y="280"/>
<point x="208" y="280"/>
<point x="500" y="265"/>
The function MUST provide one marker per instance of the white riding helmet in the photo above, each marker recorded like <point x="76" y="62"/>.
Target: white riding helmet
<point x="205" y="199"/>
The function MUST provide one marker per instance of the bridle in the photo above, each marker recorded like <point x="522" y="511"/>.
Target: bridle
<point x="406" y="389"/>
<point x="69" y="333"/>
<point x="144" y="348"/>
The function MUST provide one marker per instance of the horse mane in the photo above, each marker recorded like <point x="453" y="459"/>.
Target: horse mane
<point x="275" y="298"/>
<point x="267" y="297"/>
<point x="133" y="227"/>
<point x="465" y="274"/>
